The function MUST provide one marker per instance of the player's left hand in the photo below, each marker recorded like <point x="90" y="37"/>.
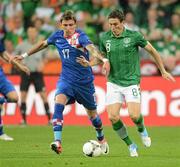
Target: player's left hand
<point x="82" y="60"/>
<point x="168" y="76"/>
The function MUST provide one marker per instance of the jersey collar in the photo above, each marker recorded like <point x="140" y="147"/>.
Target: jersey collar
<point x="69" y="37"/>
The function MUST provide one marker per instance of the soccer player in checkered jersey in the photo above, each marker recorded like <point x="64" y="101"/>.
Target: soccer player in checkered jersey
<point x="75" y="82"/>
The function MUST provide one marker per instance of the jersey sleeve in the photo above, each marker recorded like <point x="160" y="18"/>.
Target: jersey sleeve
<point x="51" y="39"/>
<point x="84" y="40"/>
<point x="141" y="41"/>
<point x="2" y="49"/>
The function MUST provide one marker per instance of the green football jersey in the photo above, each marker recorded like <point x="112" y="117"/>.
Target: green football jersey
<point x="123" y="56"/>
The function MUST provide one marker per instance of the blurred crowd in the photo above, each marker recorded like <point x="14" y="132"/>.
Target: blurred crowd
<point x="158" y="20"/>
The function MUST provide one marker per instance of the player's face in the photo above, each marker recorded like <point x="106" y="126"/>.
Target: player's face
<point x="69" y="27"/>
<point x="116" y="26"/>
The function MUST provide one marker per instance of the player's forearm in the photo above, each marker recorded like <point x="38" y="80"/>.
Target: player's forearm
<point x="36" y="48"/>
<point x="159" y="62"/>
<point x="156" y="57"/>
<point x="94" y="52"/>
<point x="94" y="61"/>
<point x="7" y="58"/>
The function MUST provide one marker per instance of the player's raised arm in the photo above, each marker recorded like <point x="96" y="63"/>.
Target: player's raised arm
<point x="153" y="52"/>
<point x="41" y="45"/>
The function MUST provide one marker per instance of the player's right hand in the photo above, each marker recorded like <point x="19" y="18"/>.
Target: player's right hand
<point x="168" y="76"/>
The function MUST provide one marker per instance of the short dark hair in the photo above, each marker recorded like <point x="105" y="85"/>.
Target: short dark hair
<point x="68" y="15"/>
<point x="117" y="14"/>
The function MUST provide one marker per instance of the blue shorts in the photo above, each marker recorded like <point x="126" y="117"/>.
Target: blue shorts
<point x="83" y="94"/>
<point x="5" y="85"/>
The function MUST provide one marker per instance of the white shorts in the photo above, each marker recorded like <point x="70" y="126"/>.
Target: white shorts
<point x="119" y="94"/>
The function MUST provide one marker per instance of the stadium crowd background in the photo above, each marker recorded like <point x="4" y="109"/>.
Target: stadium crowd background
<point x="158" y="20"/>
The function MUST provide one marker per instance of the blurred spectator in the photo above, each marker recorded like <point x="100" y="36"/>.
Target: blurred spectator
<point x="36" y="76"/>
<point x="13" y="8"/>
<point x="129" y="22"/>
<point x="169" y="49"/>
<point x="152" y="30"/>
<point x="96" y="6"/>
<point x="83" y="24"/>
<point x="167" y="7"/>
<point x="164" y="9"/>
<point x="29" y="7"/>
<point x="38" y="24"/>
<point x="76" y="5"/>
<point x="43" y="10"/>
<point x="107" y="7"/>
<point x="16" y="31"/>
<point x="175" y="27"/>
<point x="138" y="8"/>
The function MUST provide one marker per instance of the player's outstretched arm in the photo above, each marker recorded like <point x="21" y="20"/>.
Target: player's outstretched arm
<point x="17" y="64"/>
<point x="159" y="62"/>
<point x="41" y="45"/>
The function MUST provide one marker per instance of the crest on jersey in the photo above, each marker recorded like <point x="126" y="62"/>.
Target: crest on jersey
<point x="127" y="42"/>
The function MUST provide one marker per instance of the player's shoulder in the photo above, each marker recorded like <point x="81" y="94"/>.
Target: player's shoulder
<point x="132" y="33"/>
<point x="129" y="31"/>
<point x="57" y="33"/>
<point x="80" y="32"/>
<point x="105" y="34"/>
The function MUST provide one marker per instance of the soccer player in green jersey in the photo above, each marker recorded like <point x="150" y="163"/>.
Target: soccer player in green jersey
<point x="122" y="65"/>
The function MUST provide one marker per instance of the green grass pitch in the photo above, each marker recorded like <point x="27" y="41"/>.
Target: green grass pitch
<point x="31" y="148"/>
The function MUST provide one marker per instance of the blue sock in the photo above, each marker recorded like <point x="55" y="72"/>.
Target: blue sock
<point x="97" y="123"/>
<point x="1" y="126"/>
<point x="2" y="100"/>
<point x="58" y="121"/>
<point x="144" y="133"/>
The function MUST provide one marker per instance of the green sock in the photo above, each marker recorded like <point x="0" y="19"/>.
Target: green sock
<point x="122" y="132"/>
<point x="140" y="123"/>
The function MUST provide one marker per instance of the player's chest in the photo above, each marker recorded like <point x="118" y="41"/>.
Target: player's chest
<point x="119" y="44"/>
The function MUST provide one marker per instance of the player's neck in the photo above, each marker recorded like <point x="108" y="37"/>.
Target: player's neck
<point x="118" y="33"/>
<point x="68" y="35"/>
